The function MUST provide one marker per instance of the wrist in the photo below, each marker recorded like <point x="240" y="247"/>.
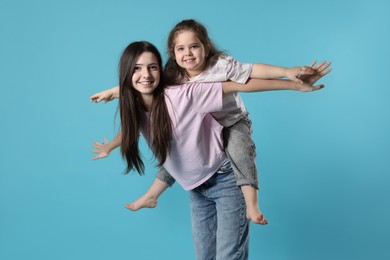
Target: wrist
<point x="286" y="72"/>
<point x="115" y="92"/>
<point x="297" y="86"/>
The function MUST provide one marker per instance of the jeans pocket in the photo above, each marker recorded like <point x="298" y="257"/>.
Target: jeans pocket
<point x="225" y="168"/>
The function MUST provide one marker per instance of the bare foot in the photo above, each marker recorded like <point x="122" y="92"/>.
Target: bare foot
<point x="252" y="209"/>
<point x="142" y="202"/>
<point x="254" y="214"/>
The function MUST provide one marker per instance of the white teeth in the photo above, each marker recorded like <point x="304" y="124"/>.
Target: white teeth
<point x="146" y="82"/>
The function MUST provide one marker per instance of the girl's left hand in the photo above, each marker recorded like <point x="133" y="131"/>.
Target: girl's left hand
<point x="320" y="70"/>
<point x="295" y="73"/>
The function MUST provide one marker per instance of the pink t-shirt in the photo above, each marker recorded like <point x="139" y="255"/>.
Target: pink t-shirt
<point x="197" y="149"/>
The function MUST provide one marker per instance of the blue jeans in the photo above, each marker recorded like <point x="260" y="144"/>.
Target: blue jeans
<point x="219" y="226"/>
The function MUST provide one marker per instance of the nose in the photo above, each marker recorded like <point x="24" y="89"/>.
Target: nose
<point x="188" y="52"/>
<point x="145" y="73"/>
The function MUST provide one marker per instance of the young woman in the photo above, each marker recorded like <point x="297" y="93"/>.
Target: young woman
<point x="187" y="141"/>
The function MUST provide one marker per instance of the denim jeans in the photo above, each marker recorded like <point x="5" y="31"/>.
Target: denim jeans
<point x="241" y="151"/>
<point x="220" y="229"/>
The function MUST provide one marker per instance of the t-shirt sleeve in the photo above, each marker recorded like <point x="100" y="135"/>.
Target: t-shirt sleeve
<point x="205" y="97"/>
<point x="237" y="71"/>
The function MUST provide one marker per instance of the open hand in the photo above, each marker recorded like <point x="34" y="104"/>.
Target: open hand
<point x="320" y="70"/>
<point x="101" y="149"/>
<point x="295" y="73"/>
<point x="106" y="95"/>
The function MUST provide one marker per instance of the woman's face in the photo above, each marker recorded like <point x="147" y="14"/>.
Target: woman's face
<point x="146" y="76"/>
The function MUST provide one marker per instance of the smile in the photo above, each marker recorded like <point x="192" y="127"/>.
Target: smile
<point x="146" y="83"/>
<point x="189" y="60"/>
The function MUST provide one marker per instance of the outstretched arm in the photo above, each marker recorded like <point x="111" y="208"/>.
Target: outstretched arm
<point x="106" y="95"/>
<point x="265" y="71"/>
<point x="257" y="85"/>
<point x="105" y="148"/>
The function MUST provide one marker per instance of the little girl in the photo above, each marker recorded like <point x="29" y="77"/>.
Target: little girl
<point x="193" y="57"/>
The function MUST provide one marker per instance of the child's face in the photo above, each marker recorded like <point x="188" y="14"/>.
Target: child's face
<point x="146" y="76"/>
<point x="190" y="53"/>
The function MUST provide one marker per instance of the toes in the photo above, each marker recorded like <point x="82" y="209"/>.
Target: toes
<point x="131" y="207"/>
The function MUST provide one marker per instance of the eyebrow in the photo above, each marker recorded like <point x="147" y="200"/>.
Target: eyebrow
<point x="185" y="44"/>
<point x="141" y="64"/>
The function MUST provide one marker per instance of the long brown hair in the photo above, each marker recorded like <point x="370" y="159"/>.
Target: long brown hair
<point x="175" y="74"/>
<point x="133" y="116"/>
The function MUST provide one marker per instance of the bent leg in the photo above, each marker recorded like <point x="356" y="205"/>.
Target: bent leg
<point x="164" y="176"/>
<point x="241" y="151"/>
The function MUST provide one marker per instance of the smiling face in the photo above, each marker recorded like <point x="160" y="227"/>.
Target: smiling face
<point x="146" y="75"/>
<point x="190" y="53"/>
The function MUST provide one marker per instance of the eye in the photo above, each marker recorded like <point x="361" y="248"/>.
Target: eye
<point x="179" y="49"/>
<point x="194" y="46"/>
<point x="153" y="67"/>
<point x="137" y="68"/>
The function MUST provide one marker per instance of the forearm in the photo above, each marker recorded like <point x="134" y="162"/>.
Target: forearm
<point x="265" y="71"/>
<point x="115" y="91"/>
<point x="258" y="85"/>
<point x="116" y="142"/>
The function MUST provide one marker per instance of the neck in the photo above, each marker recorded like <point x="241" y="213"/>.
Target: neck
<point x="147" y="102"/>
<point x="194" y="73"/>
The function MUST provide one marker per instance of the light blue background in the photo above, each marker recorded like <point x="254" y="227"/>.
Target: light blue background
<point x="323" y="157"/>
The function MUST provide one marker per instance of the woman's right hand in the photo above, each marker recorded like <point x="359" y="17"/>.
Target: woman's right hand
<point x="102" y="149"/>
<point x="106" y="95"/>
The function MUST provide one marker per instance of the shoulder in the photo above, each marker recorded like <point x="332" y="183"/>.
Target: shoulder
<point x="224" y="59"/>
<point x="226" y="62"/>
<point x="219" y="64"/>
